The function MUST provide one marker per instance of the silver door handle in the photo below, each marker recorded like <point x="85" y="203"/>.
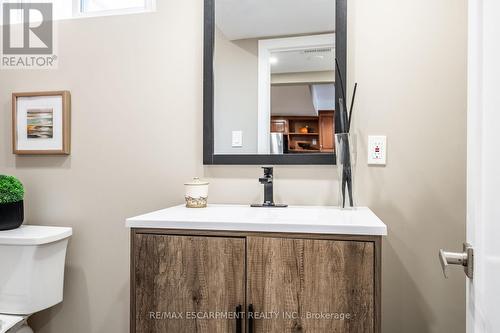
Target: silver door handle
<point x="465" y="259"/>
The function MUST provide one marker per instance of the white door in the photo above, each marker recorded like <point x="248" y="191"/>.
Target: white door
<point x="483" y="202"/>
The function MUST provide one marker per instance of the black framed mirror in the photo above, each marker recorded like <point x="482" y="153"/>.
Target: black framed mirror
<point x="270" y="88"/>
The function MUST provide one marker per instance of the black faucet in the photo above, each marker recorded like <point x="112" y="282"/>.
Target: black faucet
<point x="267" y="181"/>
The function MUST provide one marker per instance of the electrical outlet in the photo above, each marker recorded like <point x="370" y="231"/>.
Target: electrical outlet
<point x="377" y="149"/>
<point x="237" y="139"/>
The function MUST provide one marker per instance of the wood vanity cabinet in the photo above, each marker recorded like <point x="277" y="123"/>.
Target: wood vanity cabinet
<point x="294" y="282"/>
<point x="178" y="276"/>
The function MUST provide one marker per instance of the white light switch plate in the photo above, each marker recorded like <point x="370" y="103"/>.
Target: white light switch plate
<point x="377" y="149"/>
<point x="237" y="139"/>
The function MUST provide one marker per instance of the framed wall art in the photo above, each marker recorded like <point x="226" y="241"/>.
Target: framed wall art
<point x="41" y="123"/>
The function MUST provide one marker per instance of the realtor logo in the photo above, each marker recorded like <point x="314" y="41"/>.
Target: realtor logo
<point x="28" y="35"/>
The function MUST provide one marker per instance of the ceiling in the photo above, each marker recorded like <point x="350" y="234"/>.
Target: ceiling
<point x="241" y="19"/>
<point x="313" y="60"/>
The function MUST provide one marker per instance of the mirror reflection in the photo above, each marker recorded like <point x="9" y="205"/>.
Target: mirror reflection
<point x="274" y="76"/>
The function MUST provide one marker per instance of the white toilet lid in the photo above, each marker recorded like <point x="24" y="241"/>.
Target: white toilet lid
<point x="9" y="321"/>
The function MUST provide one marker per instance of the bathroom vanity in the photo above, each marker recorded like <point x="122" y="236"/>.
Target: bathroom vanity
<point x="231" y="268"/>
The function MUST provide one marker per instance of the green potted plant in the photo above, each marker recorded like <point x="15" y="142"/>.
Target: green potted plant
<point x="11" y="202"/>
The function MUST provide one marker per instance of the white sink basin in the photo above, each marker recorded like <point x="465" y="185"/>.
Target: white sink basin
<point x="301" y="219"/>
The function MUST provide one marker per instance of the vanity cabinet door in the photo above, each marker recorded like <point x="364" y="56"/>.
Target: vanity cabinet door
<point x="179" y="280"/>
<point x="313" y="286"/>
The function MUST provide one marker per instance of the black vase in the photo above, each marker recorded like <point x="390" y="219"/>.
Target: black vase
<point x="11" y="215"/>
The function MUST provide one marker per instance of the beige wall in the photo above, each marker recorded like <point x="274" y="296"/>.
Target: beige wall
<point x="293" y="100"/>
<point x="409" y="58"/>
<point x="236" y="82"/>
<point x="137" y="131"/>
<point x="137" y="122"/>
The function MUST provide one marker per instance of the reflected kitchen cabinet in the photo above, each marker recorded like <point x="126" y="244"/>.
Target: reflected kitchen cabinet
<point x="306" y="134"/>
<point x="326" y="131"/>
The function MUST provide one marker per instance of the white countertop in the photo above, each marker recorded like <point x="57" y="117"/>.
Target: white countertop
<point x="294" y="219"/>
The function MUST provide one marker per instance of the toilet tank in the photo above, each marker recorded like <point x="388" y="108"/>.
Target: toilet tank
<point x="32" y="268"/>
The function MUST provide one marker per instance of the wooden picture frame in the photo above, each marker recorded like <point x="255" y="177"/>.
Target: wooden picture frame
<point x="55" y="138"/>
